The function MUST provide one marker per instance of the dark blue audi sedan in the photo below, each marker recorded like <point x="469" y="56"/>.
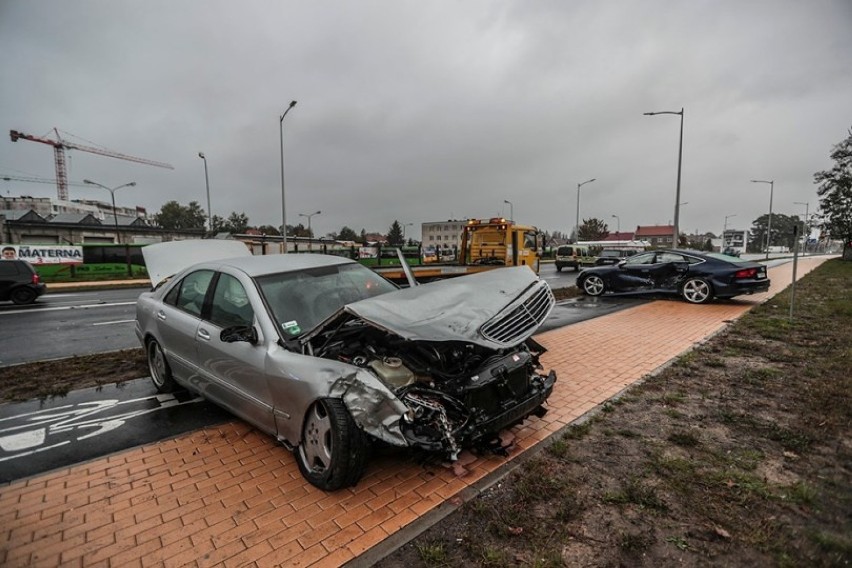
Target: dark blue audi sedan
<point x="697" y="277"/>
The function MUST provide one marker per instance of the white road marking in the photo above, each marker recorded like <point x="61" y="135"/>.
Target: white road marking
<point x="83" y="307"/>
<point x="113" y="322"/>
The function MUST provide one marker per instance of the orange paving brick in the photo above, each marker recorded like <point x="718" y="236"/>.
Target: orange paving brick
<point x="229" y="495"/>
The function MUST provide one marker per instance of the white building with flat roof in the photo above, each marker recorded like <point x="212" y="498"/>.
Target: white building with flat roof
<point x="442" y="234"/>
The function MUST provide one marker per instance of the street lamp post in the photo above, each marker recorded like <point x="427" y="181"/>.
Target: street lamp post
<point x="725" y="228"/>
<point x="283" y="199"/>
<point x="112" y="191"/>
<point x="769" y="222"/>
<point x="511" y="210"/>
<point x="404" y="225"/>
<point x="207" y="181"/>
<point x="310" y="233"/>
<point x="805" y="230"/>
<point x="618" y="220"/>
<point x="679" y="162"/>
<point x="577" y="224"/>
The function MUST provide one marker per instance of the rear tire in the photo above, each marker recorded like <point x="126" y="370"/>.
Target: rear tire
<point x="696" y="291"/>
<point x="558" y="268"/>
<point x="158" y="367"/>
<point x="23" y="296"/>
<point x="593" y="285"/>
<point x="333" y="452"/>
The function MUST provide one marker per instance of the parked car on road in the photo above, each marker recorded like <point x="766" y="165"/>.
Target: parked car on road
<point x="328" y="357"/>
<point x="696" y="276"/>
<point x="19" y="282"/>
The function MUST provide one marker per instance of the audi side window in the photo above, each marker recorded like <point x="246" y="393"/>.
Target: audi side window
<point x="641" y="259"/>
<point x="669" y="257"/>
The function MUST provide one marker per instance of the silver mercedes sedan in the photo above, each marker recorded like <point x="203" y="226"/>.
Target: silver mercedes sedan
<point x="330" y="358"/>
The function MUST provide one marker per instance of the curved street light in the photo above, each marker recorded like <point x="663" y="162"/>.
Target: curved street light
<point x="207" y="181"/>
<point x="679" y="162"/>
<point x="618" y="220"/>
<point x="769" y="223"/>
<point x="112" y="191"/>
<point x="577" y="223"/>
<point x="310" y="232"/>
<point x="511" y="210"/>
<point x="283" y="199"/>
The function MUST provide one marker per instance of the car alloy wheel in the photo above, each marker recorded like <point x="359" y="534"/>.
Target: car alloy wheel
<point x="593" y="285"/>
<point x="333" y="451"/>
<point x="158" y="367"/>
<point x="696" y="291"/>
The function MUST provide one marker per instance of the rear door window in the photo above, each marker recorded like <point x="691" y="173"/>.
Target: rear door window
<point x="189" y="294"/>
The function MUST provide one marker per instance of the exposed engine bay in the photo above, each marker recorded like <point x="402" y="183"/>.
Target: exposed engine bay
<point x="457" y="394"/>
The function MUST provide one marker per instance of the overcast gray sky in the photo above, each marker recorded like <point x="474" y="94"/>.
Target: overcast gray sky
<point x="424" y="111"/>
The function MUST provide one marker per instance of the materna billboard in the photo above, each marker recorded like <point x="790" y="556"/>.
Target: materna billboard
<point x="43" y="254"/>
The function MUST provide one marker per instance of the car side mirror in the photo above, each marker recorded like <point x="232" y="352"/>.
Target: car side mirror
<point x="621" y="263"/>
<point x="237" y="333"/>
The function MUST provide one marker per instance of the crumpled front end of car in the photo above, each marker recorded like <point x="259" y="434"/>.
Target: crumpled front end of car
<point x="504" y="391"/>
<point x="442" y="395"/>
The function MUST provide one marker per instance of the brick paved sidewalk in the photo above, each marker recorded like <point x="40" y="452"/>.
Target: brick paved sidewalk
<point x="231" y="496"/>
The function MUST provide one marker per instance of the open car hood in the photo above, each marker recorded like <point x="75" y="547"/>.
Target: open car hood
<point x="163" y="260"/>
<point x="496" y="309"/>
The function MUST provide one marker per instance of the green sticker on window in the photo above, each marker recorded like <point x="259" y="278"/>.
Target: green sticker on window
<point x="292" y="327"/>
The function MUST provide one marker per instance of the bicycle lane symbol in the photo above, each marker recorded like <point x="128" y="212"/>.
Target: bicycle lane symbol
<point x="40" y="431"/>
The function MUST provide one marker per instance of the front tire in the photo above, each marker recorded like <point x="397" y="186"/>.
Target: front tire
<point x="593" y="285"/>
<point x="21" y="296"/>
<point x="158" y="367"/>
<point x="333" y="452"/>
<point x="696" y="291"/>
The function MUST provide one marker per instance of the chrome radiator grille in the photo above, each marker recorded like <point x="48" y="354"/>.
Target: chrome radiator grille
<point x="519" y="321"/>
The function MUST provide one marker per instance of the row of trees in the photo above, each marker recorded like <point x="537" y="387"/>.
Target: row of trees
<point x="835" y="218"/>
<point x="174" y="216"/>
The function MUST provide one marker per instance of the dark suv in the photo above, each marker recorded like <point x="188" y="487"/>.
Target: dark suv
<point x="19" y="282"/>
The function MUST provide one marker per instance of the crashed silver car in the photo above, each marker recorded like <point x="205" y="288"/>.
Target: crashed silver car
<point x="329" y="357"/>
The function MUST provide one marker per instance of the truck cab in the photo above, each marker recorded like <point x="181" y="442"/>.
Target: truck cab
<point x="499" y="242"/>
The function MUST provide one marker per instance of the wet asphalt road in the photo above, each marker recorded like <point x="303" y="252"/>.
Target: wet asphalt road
<point x="67" y="324"/>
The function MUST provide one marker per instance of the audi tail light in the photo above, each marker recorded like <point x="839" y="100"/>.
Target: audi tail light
<point x="746" y="273"/>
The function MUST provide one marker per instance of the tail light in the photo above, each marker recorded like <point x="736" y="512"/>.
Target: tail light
<point x="746" y="273"/>
<point x="36" y="279"/>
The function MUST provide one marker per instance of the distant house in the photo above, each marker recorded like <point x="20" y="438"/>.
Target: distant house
<point x="376" y="238"/>
<point x="657" y="235"/>
<point x="622" y="236"/>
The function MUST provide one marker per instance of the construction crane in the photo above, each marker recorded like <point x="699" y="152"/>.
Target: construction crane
<point x="59" y="146"/>
<point x="32" y="179"/>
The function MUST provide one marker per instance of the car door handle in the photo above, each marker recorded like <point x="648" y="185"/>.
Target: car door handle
<point x="204" y="334"/>
<point x="161" y="315"/>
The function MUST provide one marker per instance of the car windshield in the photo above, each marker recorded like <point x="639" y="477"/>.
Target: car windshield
<point x="301" y="299"/>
